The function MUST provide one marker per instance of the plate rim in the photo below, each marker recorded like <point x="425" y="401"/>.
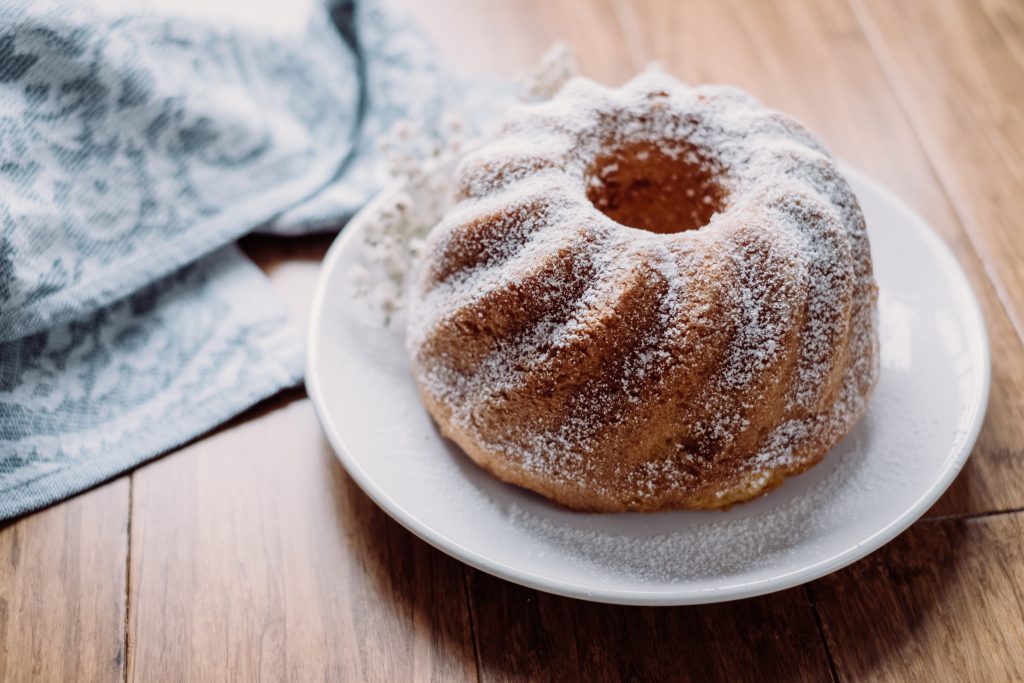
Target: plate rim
<point x="659" y="597"/>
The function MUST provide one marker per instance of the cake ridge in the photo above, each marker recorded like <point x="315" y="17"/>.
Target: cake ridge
<point x="713" y="332"/>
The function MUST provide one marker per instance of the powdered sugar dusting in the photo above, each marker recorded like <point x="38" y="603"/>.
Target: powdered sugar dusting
<point x="772" y="302"/>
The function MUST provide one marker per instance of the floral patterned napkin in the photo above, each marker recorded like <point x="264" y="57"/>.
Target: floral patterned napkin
<point x="136" y="145"/>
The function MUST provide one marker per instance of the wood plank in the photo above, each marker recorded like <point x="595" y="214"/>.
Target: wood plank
<point x="62" y="589"/>
<point x="812" y="59"/>
<point x="943" y="602"/>
<point x="524" y="635"/>
<point x="510" y="37"/>
<point x="254" y="556"/>
<point x="958" y="68"/>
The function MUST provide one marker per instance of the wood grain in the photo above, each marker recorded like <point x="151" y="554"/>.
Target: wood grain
<point x="813" y="60"/>
<point x="958" y="68"/>
<point x="944" y="602"/>
<point x="510" y="37"/>
<point x="524" y="635"/>
<point x="62" y="590"/>
<point x="254" y="556"/>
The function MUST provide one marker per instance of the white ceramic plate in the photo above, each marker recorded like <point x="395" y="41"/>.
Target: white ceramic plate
<point x="922" y="422"/>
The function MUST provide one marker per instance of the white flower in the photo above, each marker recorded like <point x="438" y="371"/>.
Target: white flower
<point x="396" y="236"/>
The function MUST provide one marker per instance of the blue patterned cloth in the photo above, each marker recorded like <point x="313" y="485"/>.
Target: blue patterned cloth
<point x="135" y="148"/>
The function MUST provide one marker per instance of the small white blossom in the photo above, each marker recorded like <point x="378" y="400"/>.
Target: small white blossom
<point x="395" y="237"/>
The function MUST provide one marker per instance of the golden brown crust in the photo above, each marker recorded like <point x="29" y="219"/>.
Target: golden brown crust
<point x="571" y="497"/>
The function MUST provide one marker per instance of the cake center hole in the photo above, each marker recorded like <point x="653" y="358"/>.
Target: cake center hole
<point x="642" y="186"/>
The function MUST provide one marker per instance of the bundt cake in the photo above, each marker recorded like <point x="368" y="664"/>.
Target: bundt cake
<point x="646" y="298"/>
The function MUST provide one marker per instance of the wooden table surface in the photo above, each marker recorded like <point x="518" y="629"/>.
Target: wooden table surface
<point x="250" y="554"/>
